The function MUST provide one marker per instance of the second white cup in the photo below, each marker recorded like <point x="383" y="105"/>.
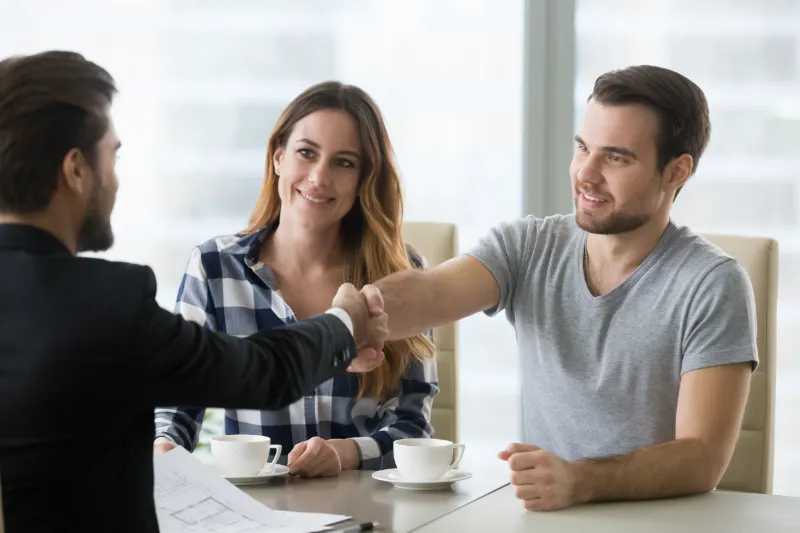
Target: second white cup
<point x="426" y="459"/>
<point x="243" y="455"/>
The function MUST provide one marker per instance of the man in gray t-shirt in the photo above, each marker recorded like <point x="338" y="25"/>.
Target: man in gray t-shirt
<point x="637" y="337"/>
<point x="601" y="374"/>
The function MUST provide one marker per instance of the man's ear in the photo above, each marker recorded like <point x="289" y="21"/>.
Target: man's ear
<point x="76" y="171"/>
<point x="677" y="173"/>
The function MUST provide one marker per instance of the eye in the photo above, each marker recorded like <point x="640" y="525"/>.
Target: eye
<point x="344" y="163"/>
<point x="616" y="159"/>
<point x="582" y="148"/>
<point x="305" y="153"/>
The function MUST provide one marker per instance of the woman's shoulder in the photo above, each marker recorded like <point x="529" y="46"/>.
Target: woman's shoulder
<point x="416" y="258"/>
<point x="221" y="243"/>
<point x="221" y="256"/>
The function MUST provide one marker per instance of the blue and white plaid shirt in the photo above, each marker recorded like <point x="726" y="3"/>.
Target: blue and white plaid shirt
<point x="227" y="288"/>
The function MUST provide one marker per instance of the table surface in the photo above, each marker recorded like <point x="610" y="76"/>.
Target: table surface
<point x="486" y="503"/>
<point x="365" y="499"/>
<point x="728" y="512"/>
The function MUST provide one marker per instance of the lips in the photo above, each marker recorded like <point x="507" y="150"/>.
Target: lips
<point x="593" y="198"/>
<point x="314" y="197"/>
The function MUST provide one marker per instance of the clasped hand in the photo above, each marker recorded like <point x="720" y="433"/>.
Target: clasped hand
<point x="370" y="324"/>
<point x="542" y="480"/>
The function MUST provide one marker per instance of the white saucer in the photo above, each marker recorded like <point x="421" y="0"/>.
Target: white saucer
<point x="262" y="477"/>
<point x="392" y="475"/>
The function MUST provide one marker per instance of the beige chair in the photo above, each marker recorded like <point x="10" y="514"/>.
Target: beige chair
<point x="438" y="242"/>
<point x="750" y="469"/>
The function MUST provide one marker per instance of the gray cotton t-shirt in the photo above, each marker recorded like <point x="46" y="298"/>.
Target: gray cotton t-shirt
<point x="600" y="375"/>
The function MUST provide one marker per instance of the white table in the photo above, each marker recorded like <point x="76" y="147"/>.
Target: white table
<point x="356" y="494"/>
<point x="723" y="512"/>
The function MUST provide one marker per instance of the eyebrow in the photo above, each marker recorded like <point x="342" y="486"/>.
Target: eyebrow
<point x="317" y="146"/>
<point x="611" y="149"/>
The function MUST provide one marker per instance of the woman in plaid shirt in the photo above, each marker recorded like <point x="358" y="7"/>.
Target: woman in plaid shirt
<point x="329" y="211"/>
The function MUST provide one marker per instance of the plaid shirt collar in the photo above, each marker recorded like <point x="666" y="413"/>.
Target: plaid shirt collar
<point x="247" y="249"/>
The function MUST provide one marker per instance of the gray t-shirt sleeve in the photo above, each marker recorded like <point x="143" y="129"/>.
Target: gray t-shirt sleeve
<point x="721" y="326"/>
<point x="503" y="251"/>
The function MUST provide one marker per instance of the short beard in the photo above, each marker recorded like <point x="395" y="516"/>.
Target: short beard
<point x="614" y="224"/>
<point x="96" y="234"/>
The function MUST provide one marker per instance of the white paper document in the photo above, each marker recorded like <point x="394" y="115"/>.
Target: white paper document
<point x="192" y="498"/>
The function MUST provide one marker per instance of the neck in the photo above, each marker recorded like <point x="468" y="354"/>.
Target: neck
<point x="46" y="222"/>
<point x="302" y="250"/>
<point x="624" y="252"/>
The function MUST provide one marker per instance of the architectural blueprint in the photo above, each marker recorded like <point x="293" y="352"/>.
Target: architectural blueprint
<point x="192" y="498"/>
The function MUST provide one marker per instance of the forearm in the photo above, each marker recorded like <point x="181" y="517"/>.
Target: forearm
<point x="412" y="304"/>
<point x="308" y="353"/>
<point x="676" y="468"/>
<point x="348" y="453"/>
<point x="187" y="365"/>
<point x="375" y="451"/>
<point x="417" y="301"/>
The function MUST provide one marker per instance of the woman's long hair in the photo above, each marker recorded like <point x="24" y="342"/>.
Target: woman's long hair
<point x="372" y="230"/>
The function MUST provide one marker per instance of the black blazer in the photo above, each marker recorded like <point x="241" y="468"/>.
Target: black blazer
<point x="86" y="354"/>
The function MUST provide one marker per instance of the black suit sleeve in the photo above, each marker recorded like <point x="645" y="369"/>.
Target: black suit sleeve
<point x="186" y="364"/>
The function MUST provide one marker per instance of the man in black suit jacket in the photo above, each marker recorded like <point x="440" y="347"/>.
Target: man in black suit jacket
<point x="85" y="351"/>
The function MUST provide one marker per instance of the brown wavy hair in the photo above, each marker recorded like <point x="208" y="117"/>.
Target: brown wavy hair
<point x="372" y="229"/>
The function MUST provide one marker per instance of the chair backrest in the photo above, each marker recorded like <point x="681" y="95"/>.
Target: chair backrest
<point x="438" y="242"/>
<point x="750" y="469"/>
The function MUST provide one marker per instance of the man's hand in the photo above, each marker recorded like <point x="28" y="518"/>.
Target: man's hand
<point x="542" y="480"/>
<point x="367" y="360"/>
<point x="315" y="457"/>
<point x="162" y="445"/>
<point x="369" y="328"/>
<point x="374" y="299"/>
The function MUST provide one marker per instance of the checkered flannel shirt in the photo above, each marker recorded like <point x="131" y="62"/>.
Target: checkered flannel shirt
<point x="226" y="288"/>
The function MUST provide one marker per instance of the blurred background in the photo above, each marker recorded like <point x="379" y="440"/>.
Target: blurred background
<point x="481" y="98"/>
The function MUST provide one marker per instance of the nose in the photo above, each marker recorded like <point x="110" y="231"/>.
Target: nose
<point x="589" y="170"/>
<point x="319" y="176"/>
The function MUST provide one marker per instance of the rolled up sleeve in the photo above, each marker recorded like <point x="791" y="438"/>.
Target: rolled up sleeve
<point x="405" y="415"/>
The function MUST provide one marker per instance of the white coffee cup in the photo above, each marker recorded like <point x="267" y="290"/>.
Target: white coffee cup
<point x="426" y="459"/>
<point x="243" y="455"/>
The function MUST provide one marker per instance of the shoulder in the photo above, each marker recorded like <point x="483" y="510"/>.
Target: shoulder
<point x="215" y="258"/>
<point x="533" y="226"/>
<point x="118" y="275"/>
<point x="415" y="257"/>
<point x="234" y="244"/>
<point x="702" y="270"/>
<point x="557" y="227"/>
<point x="698" y="256"/>
<point x="725" y="277"/>
<point x="112" y="293"/>
<point x="522" y="237"/>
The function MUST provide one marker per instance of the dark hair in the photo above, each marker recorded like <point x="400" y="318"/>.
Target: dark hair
<point x="685" y="126"/>
<point x="50" y="103"/>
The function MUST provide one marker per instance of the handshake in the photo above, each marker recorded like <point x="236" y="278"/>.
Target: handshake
<point x="370" y="324"/>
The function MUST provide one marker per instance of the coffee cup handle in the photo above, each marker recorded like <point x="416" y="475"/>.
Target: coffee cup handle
<point x="459" y="449"/>
<point x="270" y="464"/>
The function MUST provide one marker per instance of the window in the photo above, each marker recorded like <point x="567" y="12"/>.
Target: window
<point x="202" y="83"/>
<point x="746" y="57"/>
